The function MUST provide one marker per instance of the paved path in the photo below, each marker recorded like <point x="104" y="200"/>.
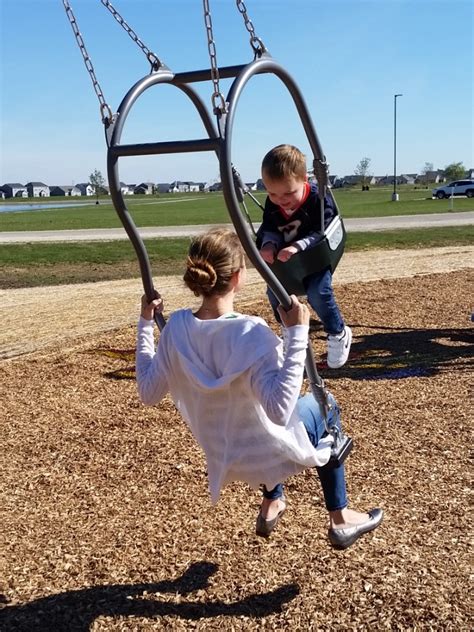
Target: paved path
<point x="368" y="224"/>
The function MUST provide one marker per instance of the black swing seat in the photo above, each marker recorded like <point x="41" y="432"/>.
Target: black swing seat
<point x="325" y="254"/>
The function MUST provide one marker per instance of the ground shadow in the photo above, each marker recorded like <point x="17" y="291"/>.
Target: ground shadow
<point x="76" y="610"/>
<point x="397" y="353"/>
<point x="389" y="353"/>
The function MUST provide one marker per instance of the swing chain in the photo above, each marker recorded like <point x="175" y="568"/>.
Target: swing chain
<point x="105" y="111"/>
<point x="155" y="62"/>
<point x="256" y="43"/>
<point x="219" y="104"/>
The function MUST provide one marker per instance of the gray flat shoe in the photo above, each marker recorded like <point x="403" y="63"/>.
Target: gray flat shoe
<point x="264" y="527"/>
<point x="344" y="538"/>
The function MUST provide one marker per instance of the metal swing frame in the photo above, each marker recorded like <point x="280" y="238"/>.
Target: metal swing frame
<point x="218" y="140"/>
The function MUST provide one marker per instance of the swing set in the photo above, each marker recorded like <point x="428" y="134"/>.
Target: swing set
<point x="283" y="278"/>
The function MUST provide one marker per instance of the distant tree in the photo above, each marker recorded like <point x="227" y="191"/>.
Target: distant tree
<point x="454" y="171"/>
<point x="96" y="179"/>
<point x="427" y="168"/>
<point x="362" y="170"/>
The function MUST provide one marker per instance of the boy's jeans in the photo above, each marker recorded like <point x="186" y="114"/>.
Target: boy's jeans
<point x="321" y="298"/>
<point x="332" y="479"/>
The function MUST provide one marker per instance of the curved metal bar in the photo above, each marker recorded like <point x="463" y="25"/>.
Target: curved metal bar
<point x="113" y="136"/>
<point x="267" y="64"/>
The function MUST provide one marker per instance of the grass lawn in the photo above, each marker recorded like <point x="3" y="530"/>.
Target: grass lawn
<point x="209" y="208"/>
<point x="38" y="264"/>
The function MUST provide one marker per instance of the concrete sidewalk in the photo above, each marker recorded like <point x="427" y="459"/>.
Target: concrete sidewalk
<point x="355" y="225"/>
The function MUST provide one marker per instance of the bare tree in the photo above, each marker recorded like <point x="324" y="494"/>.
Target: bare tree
<point x="428" y="166"/>
<point x="362" y="170"/>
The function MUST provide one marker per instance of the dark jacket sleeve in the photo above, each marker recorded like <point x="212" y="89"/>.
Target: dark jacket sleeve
<point x="268" y="225"/>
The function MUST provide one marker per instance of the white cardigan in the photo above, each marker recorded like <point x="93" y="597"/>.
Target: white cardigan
<point x="237" y="389"/>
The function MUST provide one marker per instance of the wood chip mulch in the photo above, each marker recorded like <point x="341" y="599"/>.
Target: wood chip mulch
<point x="106" y="522"/>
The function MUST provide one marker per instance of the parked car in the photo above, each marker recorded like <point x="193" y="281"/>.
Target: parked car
<point x="459" y="187"/>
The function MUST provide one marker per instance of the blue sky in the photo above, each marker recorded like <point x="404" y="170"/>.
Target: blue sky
<point x="348" y="57"/>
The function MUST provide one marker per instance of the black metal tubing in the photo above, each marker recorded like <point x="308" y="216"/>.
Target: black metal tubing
<point x="115" y="150"/>
<point x="166" y="147"/>
<point x="266" y="64"/>
<point x="195" y="76"/>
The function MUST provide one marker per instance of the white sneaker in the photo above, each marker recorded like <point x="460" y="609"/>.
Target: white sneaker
<point x="338" y="348"/>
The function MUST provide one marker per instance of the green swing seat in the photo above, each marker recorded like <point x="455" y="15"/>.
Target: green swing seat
<point x="325" y="254"/>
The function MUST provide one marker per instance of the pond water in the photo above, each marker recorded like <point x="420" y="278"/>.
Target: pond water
<point x="18" y="208"/>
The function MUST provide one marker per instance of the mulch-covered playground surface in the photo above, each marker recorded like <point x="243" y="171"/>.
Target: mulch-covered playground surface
<point x="106" y="522"/>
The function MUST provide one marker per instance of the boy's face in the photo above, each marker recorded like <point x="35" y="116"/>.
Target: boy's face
<point x="287" y="192"/>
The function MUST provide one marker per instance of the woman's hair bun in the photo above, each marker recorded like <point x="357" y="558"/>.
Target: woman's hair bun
<point x="200" y="276"/>
<point x="212" y="260"/>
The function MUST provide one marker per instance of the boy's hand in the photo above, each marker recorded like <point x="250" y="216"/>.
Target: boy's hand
<point x="287" y="253"/>
<point x="148" y="309"/>
<point x="298" y="314"/>
<point x="268" y="252"/>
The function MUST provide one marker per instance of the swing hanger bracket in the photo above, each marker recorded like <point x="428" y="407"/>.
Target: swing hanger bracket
<point x="106" y="114"/>
<point x="220" y="107"/>
<point x="321" y="171"/>
<point x="155" y="63"/>
<point x="258" y="47"/>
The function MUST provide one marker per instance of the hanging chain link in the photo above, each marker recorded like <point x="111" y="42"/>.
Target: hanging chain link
<point x="152" y="58"/>
<point x="255" y="42"/>
<point x="218" y="101"/>
<point x="105" y="111"/>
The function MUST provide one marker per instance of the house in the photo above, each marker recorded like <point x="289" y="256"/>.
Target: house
<point x="185" y="187"/>
<point x="14" y="189"/>
<point x="403" y="178"/>
<point x="178" y="187"/>
<point x="144" y="188"/>
<point x="406" y="178"/>
<point x="348" y="181"/>
<point x="125" y="189"/>
<point x="85" y="188"/>
<point x="69" y="190"/>
<point x="387" y="180"/>
<point x="37" y="189"/>
<point x="431" y="177"/>
<point x="194" y="187"/>
<point x="215" y="186"/>
<point x="163" y="187"/>
<point x="251" y="186"/>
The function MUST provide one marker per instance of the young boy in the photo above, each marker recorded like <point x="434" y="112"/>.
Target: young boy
<point x="291" y="221"/>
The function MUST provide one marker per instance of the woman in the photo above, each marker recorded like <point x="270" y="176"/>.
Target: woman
<point x="238" y="388"/>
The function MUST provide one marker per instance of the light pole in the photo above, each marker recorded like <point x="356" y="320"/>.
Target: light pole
<point x="395" y="196"/>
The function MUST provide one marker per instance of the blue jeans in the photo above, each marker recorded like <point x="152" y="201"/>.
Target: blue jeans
<point x="332" y="479"/>
<point x="321" y="298"/>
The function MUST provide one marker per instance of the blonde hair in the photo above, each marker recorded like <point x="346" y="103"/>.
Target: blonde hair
<point x="284" y="161"/>
<point x="212" y="260"/>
